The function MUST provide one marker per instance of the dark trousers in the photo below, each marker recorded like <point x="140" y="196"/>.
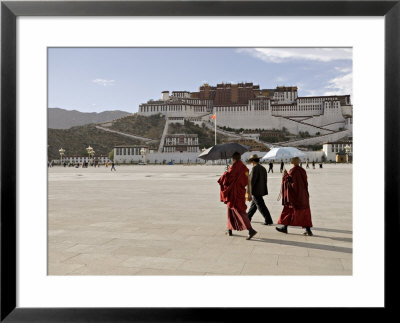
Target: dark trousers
<point x="270" y="169"/>
<point x="258" y="203"/>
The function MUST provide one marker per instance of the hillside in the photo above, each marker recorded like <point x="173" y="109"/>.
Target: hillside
<point x="149" y="127"/>
<point x="65" y="119"/>
<point x="76" y="139"/>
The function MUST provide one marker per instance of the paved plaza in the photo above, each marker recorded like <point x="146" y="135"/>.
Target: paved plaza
<point x="168" y="220"/>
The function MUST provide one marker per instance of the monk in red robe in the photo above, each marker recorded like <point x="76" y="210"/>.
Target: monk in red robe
<point x="233" y="193"/>
<point x="295" y="199"/>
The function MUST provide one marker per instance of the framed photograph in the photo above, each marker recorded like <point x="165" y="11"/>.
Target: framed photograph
<point x="124" y="227"/>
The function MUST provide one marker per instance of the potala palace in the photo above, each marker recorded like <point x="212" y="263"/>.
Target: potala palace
<point x="246" y="106"/>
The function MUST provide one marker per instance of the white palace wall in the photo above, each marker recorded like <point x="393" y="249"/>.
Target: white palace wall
<point x="184" y="158"/>
<point x="175" y="157"/>
<point x="264" y="120"/>
<point x="158" y="158"/>
<point x="331" y="119"/>
<point x="185" y="111"/>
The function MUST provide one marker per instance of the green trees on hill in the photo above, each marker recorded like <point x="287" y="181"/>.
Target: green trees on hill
<point x="150" y="127"/>
<point x="315" y="147"/>
<point x="303" y="134"/>
<point x="231" y="129"/>
<point x="270" y="139"/>
<point x="76" y="139"/>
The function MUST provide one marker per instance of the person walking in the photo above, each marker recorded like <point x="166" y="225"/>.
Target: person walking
<point x="113" y="166"/>
<point x="258" y="189"/>
<point x="313" y="164"/>
<point x="307" y="166"/>
<point x="233" y="184"/>
<point x="282" y="165"/>
<point x="271" y="167"/>
<point x="295" y="199"/>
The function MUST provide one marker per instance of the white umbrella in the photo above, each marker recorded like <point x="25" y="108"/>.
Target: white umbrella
<point x="282" y="153"/>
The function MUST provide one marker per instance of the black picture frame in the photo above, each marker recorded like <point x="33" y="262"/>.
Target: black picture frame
<point x="10" y="10"/>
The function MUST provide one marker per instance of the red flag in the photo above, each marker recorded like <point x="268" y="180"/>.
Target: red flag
<point x="214" y="116"/>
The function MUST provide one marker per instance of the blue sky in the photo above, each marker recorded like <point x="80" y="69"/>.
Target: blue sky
<point x="101" y="79"/>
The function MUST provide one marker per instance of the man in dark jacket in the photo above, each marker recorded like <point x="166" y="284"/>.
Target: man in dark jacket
<point x="258" y="188"/>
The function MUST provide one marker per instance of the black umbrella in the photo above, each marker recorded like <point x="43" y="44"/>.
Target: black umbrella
<point x="223" y="151"/>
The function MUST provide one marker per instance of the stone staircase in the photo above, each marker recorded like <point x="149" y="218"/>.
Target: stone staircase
<point x="165" y="131"/>
<point x="315" y="140"/>
<point x="147" y="140"/>
<point x="309" y="125"/>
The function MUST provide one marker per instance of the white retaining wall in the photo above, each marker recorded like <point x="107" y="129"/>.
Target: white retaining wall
<point x="185" y="158"/>
<point x="314" y="156"/>
<point x="174" y="157"/>
<point x="265" y="120"/>
<point x="159" y="157"/>
<point x="330" y="116"/>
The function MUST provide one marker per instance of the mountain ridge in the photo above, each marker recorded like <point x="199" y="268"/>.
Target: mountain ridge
<point x="58" y="118"/>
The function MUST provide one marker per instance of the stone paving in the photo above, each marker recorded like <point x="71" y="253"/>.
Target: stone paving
<point x="167" y="220"/>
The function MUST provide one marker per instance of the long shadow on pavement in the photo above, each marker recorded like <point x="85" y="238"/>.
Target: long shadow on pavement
<point x="350" y="240"/>
<point x="315" y="228"/>
<point x="333" y="230"/>
<point x="305" y="245"/>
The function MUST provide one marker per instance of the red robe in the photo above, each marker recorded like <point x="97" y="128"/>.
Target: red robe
<point x="295" y="199"/>
<point x="233" y="191"/>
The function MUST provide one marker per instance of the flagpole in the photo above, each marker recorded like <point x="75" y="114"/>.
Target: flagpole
<point x="215" y="122"/>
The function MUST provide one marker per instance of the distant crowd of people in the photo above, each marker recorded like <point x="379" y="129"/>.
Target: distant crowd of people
<point x="84" y="164"/>
<point x="294" y="194"/>
<point x="271" y="165"/>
